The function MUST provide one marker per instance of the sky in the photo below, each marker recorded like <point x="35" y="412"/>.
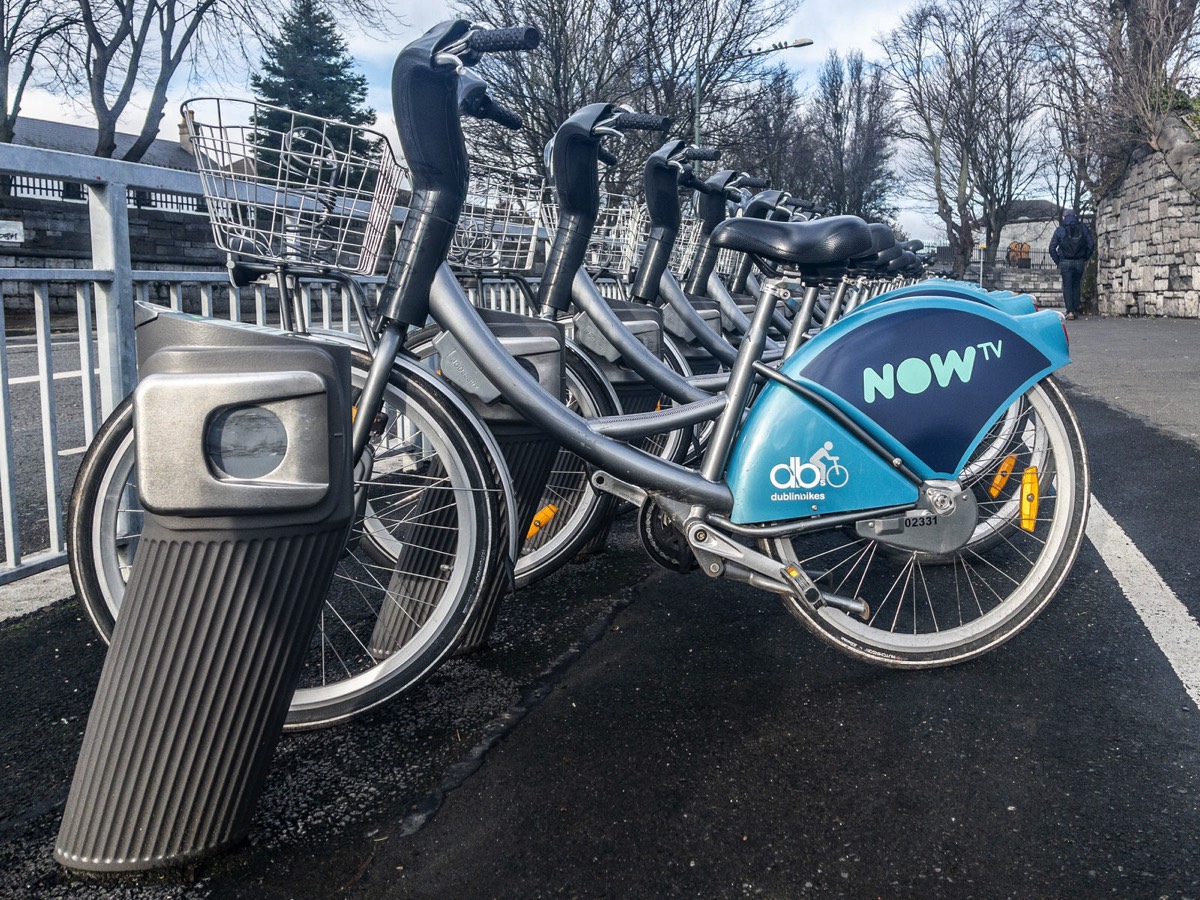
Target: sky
<point x="831" y="24"/>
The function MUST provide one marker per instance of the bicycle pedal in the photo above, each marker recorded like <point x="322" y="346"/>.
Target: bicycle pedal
<point x="852" y="605"/>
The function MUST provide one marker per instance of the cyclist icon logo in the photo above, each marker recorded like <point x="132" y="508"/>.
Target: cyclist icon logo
<point x="822" y="469"/>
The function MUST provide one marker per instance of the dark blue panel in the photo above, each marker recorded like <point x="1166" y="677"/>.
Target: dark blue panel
<point x="932" y="378"/>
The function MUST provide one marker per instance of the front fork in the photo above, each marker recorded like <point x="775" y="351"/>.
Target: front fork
<point x="370" y="401"/>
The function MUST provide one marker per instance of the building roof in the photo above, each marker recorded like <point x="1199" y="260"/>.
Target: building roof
<point x="1034" y="210"/>
<point x="82" y="139"/>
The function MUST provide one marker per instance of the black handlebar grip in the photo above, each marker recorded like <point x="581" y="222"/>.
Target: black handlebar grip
<point x="641" y="122"/>
<point x="502" y="115"/>
<point x="501" y="40"/>
<point x="755" y="183"/>
<point x="606" y="157"/>
<point x="703" y="154"/>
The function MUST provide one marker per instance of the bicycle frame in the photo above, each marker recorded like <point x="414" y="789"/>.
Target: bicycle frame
<point x="816" y="382"/>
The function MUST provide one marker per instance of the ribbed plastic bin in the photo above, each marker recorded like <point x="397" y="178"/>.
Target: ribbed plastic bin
<point x="245" y="477"/>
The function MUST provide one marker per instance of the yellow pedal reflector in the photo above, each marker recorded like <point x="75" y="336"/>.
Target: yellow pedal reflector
<point x="1002" y="475"/>
<point x="542" y="519"/>
<point x="1029" y="499"/>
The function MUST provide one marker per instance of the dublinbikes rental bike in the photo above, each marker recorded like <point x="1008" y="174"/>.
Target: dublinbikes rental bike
<point x="911" y="481"/>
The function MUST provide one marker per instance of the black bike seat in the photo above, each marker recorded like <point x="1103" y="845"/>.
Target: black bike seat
<point x="816" y="243"/>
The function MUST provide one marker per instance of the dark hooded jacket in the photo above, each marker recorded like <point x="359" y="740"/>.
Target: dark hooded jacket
<point x="1061" y="232"/>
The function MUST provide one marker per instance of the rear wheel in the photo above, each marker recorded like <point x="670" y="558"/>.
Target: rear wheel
<point x="430" y="494"/>
<point x="935" y="609"/>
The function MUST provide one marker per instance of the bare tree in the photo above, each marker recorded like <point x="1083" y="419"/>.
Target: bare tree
<point x="588" y="54"/>
<point x="32" y="33"/>
<point x="936" y="61"/>
<point x="1115" y="70"/>
<point x="648" y="53"/>
<point x="776" y="142"/>
<point x="123" y="45"/>
<point x="1005" y="142"/>
<point x="852" y="120"/>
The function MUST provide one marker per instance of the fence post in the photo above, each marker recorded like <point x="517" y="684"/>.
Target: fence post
<point x="108" y="208"/>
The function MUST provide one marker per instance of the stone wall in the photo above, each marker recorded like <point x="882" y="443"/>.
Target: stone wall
<point x="58" y="235"/>
<point x="1148" y="235"/>
<point x="1043" y="284"/>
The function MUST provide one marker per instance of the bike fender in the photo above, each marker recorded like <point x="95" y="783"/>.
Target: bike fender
<point x="1013" y="304"/>
<point x="924" y="377"/>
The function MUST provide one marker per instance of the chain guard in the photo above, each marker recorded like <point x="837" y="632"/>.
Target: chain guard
<point x="664" y="543"/>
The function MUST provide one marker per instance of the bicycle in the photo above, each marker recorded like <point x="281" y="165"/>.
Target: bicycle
<point x="907" y="504"/>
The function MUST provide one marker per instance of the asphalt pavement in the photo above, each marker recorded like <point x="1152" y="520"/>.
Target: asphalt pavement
<point x="636" y="733"/>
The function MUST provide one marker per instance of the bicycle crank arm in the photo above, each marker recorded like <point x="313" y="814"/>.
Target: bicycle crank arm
<point x="718" y="556"/>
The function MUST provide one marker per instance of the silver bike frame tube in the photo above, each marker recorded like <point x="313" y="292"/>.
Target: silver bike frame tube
<point x="387" y="348"/>
<point x="741" y="381"/>
<point x="453" y="311"/>
<point x="802" y="321"/>
<point x="587" y="298"/>
<point x="671" y="292"/>
<point x="716" y="290"/>
<point x="835" y="305"/>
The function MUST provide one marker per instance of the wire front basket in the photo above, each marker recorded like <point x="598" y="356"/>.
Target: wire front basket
<point x="682" y="251"/>
<point x="498" y="228"/>
<point x="613" y="245"/>
<point x="287" y="187"/>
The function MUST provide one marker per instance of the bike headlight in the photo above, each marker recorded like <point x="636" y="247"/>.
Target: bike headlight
<point x="246" y="442"/>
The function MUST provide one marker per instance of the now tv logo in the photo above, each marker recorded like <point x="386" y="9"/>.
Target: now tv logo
<point x="916" y="375"/>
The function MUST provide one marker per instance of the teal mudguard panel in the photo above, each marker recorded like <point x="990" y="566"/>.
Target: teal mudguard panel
<point x="925" y="377"/>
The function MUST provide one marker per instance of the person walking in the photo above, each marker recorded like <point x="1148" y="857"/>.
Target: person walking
<point x="1071" y="247"/>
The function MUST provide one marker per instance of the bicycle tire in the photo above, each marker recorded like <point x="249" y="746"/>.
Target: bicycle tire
<point x="931" y="610"/>
<point x="350" y="668"/>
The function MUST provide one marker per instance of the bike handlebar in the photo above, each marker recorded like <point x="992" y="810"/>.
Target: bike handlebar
<point x="702" y="154"/>
<point x="641" y="122"/>
<point x="754" y="182"/>
<point x="504" y="40"/>
<point x="607" y="157"/>
<point x="502" y="115"/>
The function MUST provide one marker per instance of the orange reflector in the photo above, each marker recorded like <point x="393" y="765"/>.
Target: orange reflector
<point x="353" y="412"/>
<point x="1029" y="499"/>
<point x="543" y="517"/>
<point x="1002" y="474"/>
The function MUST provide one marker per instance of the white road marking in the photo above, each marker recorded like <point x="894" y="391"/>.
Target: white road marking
<point x="1173" y="628"/>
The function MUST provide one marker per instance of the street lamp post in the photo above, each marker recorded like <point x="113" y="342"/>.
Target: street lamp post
<point x="757" y="51"/>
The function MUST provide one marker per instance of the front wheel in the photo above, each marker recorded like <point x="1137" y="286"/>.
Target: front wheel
<point x="933" y="610"/>
<point x="430" y="494"/>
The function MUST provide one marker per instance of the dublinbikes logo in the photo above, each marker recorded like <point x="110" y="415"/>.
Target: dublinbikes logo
<point x="916" y="375"/>
<point x="796" y="478"/>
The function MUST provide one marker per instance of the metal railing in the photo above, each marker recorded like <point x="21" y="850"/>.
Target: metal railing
<point x="59" y="383"/>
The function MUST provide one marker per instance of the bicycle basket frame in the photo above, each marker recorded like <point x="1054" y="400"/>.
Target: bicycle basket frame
<point x="614" y="243"/>
<point x="498" y="228"/>
<point x="284" y="187"/>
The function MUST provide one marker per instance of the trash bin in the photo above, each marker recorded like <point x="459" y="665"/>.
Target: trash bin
<point x="244" y="473"/>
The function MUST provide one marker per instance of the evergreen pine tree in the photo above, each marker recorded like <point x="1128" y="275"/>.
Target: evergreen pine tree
<point x="307" y="68"/>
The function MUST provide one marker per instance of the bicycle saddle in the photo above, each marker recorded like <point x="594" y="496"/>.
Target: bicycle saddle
<point x="881" y="239"/>
<point x="815" y="243"/>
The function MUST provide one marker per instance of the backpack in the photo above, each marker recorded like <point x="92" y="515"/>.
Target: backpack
<point x="1074" y="242"/>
